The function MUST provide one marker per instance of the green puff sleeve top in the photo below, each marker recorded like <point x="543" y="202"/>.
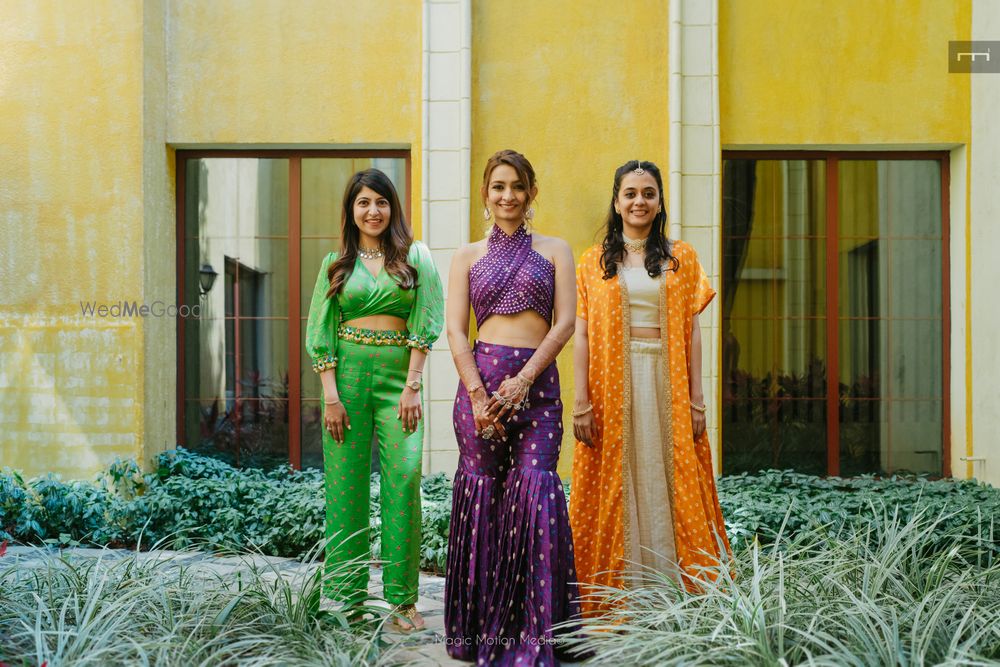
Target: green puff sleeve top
<point x="364" y="294"/>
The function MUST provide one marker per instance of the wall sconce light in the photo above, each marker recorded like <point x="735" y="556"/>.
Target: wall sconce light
<point x="206" y="278"/>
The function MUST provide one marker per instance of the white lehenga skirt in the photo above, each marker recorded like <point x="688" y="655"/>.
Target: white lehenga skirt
<point x="651" y="517"/>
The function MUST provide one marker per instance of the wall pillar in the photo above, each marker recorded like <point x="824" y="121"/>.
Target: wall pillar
<point x="696" y="169"/>
<point x="979" y="454"/>
<point x="447" y="90"/>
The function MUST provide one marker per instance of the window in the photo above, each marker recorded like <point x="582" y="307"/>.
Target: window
<point x="263" y="221"/>
<point x="834" y="313"/>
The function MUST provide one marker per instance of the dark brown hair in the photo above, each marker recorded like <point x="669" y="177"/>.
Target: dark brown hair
<point x="657" y="245"/>
<point x="525" y="172"/>
<point x="395" y="240"/>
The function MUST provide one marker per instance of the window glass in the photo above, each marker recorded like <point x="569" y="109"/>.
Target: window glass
<point x="888" y="316"/>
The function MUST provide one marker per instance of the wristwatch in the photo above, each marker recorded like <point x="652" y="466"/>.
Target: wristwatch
<point x="414" y="385"/>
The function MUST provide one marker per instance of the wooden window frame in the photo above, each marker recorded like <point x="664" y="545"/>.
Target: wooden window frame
<point x="832" y="160"/>
<point x="295" y="315"/>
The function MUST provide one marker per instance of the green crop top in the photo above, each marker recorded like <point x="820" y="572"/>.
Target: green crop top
<point x="364" y="295"/>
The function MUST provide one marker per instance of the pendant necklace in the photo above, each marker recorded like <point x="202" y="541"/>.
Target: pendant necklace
<point x="370" y="253"/>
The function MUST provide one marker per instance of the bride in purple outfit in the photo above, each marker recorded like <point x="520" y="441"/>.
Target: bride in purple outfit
<point x="510" y="552"/>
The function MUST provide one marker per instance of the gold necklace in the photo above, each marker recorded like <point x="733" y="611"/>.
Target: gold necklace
<point x="638" y="246"/>
<point x="370" y="253"/>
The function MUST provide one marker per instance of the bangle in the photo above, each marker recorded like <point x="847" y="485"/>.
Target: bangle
<point x="584" y="411"/>
<point x="415" y="370"/>
<point x="331" y="402"/>
<point x="475" y="389"/>
<point x="700" y="408"/>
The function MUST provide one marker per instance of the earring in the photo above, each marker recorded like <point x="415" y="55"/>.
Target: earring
<point x="487" y="213"/>
<point x="529" y="214"/>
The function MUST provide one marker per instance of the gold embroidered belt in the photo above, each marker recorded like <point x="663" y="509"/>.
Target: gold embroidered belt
<point x="372" y="336"/>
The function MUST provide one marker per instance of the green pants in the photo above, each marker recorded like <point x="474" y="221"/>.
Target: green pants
<point x="370" y="379"/>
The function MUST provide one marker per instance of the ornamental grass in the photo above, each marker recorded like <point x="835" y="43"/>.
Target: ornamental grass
<point x="878" y="593"/>
<point x="145" y="609"/>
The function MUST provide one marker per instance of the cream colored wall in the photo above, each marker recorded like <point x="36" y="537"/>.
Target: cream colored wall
<point x="579" y="90"/>
<point x="981" y="450"/>
<point x="71" y="187"/>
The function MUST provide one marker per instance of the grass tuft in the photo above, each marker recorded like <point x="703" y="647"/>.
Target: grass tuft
<point x="871" y="594"/>
<point x="146" y="609"/>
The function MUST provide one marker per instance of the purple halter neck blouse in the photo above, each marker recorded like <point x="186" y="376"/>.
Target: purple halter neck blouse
<point x="511" y="277"/>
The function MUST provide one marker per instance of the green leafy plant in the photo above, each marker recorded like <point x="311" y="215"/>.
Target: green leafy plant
<point x="191" y="500"/>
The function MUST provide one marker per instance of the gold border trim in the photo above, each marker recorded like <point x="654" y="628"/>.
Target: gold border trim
<point x="627" y="443"/>
<point x="666" y="406"/>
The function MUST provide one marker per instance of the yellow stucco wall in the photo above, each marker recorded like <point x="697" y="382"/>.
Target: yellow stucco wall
<point x="71" y="193"/>
<point x="578" y="92"/>
<point x="317" y="73"/>
<point x="93" y="98"/>
<point x="793" y="72"/>
<point x="850" y="75"/>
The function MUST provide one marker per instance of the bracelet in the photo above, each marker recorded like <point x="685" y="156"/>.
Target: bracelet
<point x="475" y="389"/>
<point x="700" y="408"/>
<point x="415" y="370"/>
<point x="331" y="402"/>
<point x="584" y="411"/>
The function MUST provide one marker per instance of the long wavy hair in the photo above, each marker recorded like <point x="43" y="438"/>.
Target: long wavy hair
<point x="657" y="245"/>
<point x="395" y="240"/>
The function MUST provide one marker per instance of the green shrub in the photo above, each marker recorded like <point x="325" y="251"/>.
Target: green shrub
<point x="195" y="501"/>
<point x="756" y="506"/>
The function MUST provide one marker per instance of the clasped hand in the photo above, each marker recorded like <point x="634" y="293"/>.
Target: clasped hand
<point x="490" y="412"/>
<point x="509" y="397"/>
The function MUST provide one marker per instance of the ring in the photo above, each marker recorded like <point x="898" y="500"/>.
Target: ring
<point x="488" y="432"/>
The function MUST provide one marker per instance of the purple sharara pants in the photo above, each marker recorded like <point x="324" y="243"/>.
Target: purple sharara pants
<point x="510" y="553"/>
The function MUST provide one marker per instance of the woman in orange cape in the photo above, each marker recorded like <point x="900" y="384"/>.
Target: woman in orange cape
<point x="643" y="491"/>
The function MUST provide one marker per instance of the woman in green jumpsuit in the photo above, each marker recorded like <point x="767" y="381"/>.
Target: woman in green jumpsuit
<point x="376" y="310"/>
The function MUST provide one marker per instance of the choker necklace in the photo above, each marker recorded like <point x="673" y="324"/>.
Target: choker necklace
<point x="370" y="253"/>
<point x="638" y="246"/>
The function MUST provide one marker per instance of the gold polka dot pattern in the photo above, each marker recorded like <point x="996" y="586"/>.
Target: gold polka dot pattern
<point x="597" y="508"/>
